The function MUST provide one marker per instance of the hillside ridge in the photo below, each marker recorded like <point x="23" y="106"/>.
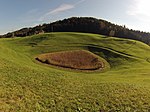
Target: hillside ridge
<point x="83" y="25"/>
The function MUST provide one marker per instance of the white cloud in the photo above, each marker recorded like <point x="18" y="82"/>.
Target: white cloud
<point x="79" y="2"/>
<point x="61" y="8"/>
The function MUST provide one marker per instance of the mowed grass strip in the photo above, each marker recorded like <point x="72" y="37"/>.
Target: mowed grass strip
<point x="76" y="59"/>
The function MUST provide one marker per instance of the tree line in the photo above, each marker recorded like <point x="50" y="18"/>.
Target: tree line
<point x="84" y="25"/>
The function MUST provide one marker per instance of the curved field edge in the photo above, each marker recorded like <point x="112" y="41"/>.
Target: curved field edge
<point x="28" y="86"/>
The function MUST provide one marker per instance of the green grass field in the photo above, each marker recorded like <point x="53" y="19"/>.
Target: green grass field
<point x="29" y="86"/>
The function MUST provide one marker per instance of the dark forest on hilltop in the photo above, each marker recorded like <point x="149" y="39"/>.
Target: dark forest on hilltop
<point x="85" y="25"/>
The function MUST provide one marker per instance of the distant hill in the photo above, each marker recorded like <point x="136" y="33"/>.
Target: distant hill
<point x="84" y="25"/>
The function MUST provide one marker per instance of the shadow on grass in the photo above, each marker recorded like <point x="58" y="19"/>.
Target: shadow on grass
<point x="113" y="58"/>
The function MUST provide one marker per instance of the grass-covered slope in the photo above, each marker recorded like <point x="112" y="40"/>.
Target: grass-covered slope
<point x="27" y="85"/>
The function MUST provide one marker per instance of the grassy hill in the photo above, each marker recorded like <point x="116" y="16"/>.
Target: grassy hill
<point x="83" y="25"/>
<point x="27" y="85"/>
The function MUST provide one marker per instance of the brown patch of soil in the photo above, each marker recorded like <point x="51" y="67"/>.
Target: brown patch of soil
<point x="77" y="59"/>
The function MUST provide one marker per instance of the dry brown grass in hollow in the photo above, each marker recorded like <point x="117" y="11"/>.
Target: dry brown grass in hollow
<point x="77" y="59"/>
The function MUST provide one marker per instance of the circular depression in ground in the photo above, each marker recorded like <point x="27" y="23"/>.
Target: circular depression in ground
<point x="76" y="59"/>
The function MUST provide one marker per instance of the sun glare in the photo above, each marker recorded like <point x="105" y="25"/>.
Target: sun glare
<point x="140" y="7"/>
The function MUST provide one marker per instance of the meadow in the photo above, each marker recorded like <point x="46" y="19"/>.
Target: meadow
<point x="27" y="85"/>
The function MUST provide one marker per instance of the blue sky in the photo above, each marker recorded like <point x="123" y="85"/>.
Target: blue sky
<point x="16" y="14"/>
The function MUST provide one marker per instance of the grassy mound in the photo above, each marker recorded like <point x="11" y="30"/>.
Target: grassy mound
<point x="76" y="59"/>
